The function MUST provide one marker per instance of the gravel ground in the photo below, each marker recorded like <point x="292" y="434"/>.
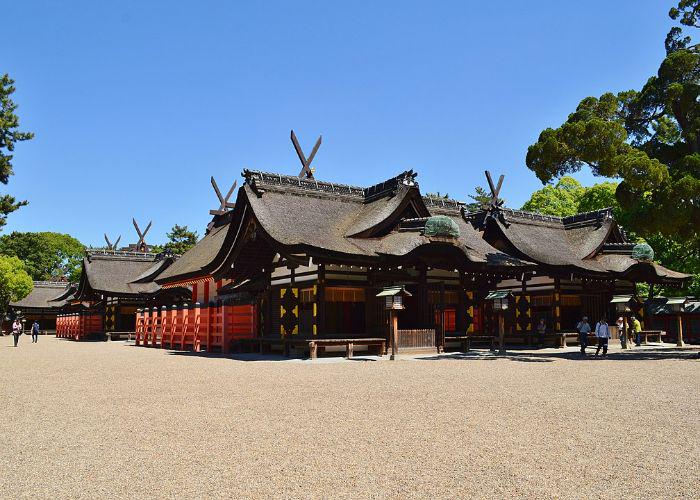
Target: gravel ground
<point x="112" y="420"/>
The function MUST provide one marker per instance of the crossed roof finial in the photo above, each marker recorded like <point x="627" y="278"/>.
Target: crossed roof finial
<point x="110" y="245"/>
<point x="223" y="200"/>
<point x="141" y="245"/>
<point x="495" y="201"/>
<point x="306" y="162"/>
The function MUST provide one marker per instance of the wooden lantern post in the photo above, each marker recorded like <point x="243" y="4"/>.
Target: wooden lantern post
<point x="622" y="307"/>
<point x="500" y="303"/>
<point x="394" y="338"/>
<point x="393" y="297"/>
<point x="440" y="333"/>
<point x="678" y="305"/>
<point x="679" y="341"/>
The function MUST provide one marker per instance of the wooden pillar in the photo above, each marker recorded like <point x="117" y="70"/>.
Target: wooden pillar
<point x="422" y="303"/>
<point x="557" y="305"/>
<point x="440" y="333"/>
<point x="625" y="326"/>
<point x="196" y="321"/>
<point x="501" y="333"/>
<point x="321" y="301"/>
<point x="165" y="327"/>
<point x="393" y="333"/>
<point x="462" y="310"/>
<point x="227" y="326"/>
<point x="679" y="339"/>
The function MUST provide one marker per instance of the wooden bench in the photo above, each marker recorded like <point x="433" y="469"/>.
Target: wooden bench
<point x="465" y="341"/>
<point x="120" y="335"/>
<point x="652" y="333"/>
<point x="563" y="337"/>
<point x="315" y="344"/>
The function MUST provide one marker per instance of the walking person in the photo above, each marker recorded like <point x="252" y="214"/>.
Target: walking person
<point x="637" y="329"/>
<point x="621" y="333"/>
<point x="584" y="328"/>
<point x="541" y="330"/>
<point x="602" y="333"/>
<point x="35" y="332"/>
<point x="16" y="330"/>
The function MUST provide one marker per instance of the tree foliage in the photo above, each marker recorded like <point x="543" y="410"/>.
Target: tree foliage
<point x="47" y="256"/>
<point x="9" y="136"/>
<point x="561" y="199"/>
<point x="15" y="282"/>
<point x="649" y="138"/>
<point x="180" y="239"/>
<point x="480" y="198"/>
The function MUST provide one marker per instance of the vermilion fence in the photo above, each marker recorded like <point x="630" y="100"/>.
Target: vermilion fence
<point x="196" y="328"/>
<point x="78" y="325"/>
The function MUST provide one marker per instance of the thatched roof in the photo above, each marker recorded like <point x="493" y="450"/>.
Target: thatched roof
<point x="195" y="261"/>
<point x="588" y="243"/>
<point x="300" y="217"/>
<point x="120" y="274"/>
<point x="42" y="295"/>
<point x="316" y="218"/>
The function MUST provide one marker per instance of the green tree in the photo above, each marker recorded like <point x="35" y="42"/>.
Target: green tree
<point x="561" y="199"/>
<point x="650" y="139"/>
<point x="480" y="198"/>
<point x="180" y="239"/>
<point x="15" y="282"/>
<point x="47" y="256"/>
<point x="9" y="135"/>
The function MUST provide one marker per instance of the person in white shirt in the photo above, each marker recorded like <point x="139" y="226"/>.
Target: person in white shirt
<point x="621" y="333"/>
<point x="602" y="332"/>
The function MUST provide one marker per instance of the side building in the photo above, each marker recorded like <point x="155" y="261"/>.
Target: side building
<point x="113" y="285"/>
<point x="42" y="304"/>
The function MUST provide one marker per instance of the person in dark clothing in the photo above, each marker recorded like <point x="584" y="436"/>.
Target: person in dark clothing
<point x="16" y="330"/>
<point x="584" y="328"/>
<point x="35" y="332"/>
<point x="541" y="330"/>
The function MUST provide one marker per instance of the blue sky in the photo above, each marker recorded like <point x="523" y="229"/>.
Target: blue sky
<point x="135" y="104"/>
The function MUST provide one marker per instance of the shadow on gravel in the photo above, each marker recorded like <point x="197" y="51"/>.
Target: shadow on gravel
<point x="534" y="357"/>
<point x="234" y="357"/>
<point x="522" y="356"/>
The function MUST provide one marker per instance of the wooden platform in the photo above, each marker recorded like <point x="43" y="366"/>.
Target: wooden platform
<point x="315" y="346"/>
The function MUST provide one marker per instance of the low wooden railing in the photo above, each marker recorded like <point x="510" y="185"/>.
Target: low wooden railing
<point x="194" y="327"/>
<point x="416" y="339"/>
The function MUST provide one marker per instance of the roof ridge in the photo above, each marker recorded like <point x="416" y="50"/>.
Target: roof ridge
<point x="524" y="214"/>
<point x="260" y="179"/>
<point x="49" y="283"/>
<point x="440" y="202"/>
<point x="121" y="255"/>
<point x="256" y="177"/>
<point x="569" y="220"/>
<point x="593" y="215"/>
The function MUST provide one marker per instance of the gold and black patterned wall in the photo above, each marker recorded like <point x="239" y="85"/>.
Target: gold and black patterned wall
<point x="289" y="311"/>
<point x="523" y="314"/>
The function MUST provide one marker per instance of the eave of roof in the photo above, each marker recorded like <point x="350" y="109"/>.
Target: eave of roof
<point x="42" y="295"/>
<point x="112" y="273"/>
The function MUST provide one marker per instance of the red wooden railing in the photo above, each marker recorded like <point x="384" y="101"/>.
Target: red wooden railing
<point x="79" y="325"/>
<point x="196" y="328"/>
